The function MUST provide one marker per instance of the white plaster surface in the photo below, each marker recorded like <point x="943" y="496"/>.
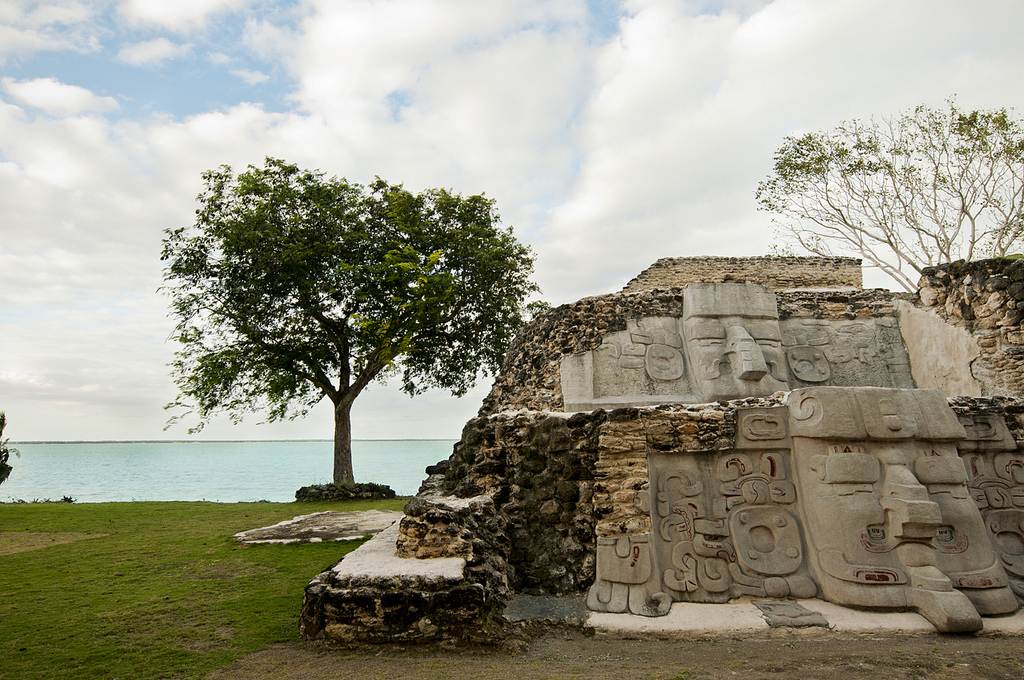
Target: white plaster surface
<point x="377" y="559"/>
<point x="742" y="617"/>
<point x="940" y="353"/>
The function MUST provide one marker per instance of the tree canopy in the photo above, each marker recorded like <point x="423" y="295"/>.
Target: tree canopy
<point x="906" y="192"/>
<point x="291" y="286"/>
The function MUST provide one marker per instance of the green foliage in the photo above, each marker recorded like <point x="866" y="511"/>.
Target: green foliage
<point x="904" y="193"/>
<point x="155" y="590"/>
<point x="291" y="286"/>
<point x="5" y="451"/>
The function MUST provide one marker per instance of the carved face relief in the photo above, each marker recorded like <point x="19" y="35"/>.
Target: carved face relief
<point x="887" y="508"/>
<point x="733" y="341"/>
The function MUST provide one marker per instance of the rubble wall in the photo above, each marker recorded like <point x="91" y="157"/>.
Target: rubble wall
<point x="985" y="299"/>
<point x="540" y="470"/>
<point x="779" y="273"/>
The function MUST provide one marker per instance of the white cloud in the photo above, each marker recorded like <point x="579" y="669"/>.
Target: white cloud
<point x="179" y="15"/>
<point x="251" y="77"/>
<point x="56" y="97"/>
<point x="152" y="52"/>
<point x="27" y="27"/>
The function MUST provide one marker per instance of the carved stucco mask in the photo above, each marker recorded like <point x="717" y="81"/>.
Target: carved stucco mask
<point x="733" y="341"/>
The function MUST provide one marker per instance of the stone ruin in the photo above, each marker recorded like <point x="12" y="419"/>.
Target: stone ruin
<point x="723" y="427"/>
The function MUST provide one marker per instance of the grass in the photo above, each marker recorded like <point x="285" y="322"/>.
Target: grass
<point x="154" y="590"/>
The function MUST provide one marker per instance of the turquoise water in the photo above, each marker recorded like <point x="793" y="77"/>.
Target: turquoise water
<point x="227" y="472"/>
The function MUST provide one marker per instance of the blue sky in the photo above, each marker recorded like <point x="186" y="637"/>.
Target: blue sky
<point x="611" y="133"/>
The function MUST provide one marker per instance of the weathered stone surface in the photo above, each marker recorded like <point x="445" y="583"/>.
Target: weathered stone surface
<point x="982" y="300"/>
<point x="373" y="595"/>
<point x="343" y="492"/>
<point x="728" y="343"/>
<point x="789" y="615"/>
<point x="332" y="525"/>
<point x="780" y="273"/>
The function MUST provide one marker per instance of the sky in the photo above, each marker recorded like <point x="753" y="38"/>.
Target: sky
<point x="610" y="133"/>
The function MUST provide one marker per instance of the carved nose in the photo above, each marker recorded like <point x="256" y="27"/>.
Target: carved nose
<point x="744" y="354"/>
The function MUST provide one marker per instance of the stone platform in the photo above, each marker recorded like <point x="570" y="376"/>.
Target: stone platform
<point x="333" y="525"/>
<point x="744" y="617"/>
<point x="689" y="619"/>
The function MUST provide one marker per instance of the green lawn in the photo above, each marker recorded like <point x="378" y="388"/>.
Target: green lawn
<point x="166" y="593"/>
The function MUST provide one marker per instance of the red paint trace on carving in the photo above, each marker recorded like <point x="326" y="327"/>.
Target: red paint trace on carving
<point x="876" y="575"/>
<point x="636" y="555"/>
<point x="872" y="547"/>
<point x="737" y="463"/>
<point x="954" y="548"/>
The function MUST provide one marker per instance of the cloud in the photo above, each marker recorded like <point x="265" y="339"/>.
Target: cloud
<point x="152" y="52"/>
<point x="179" y="15"/>
<point x="56" y="97"/>
<point x="27" y="27"/>
<point x="251" y="77"/>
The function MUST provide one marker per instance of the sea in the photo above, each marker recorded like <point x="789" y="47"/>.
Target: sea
<point x="218" y="471"/>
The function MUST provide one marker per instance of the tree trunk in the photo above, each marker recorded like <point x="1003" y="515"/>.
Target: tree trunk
<point x="343" y="443"/>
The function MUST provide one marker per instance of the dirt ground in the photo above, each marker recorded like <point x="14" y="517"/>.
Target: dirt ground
<point x="570" y="653"/>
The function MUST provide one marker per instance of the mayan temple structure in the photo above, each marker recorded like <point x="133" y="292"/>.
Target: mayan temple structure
<point x="724" y="428"/>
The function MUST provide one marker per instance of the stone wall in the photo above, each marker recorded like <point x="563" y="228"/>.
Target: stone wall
<point x="539" y="468"/>
<point x="779" y="273"/>
<point x="985" y="299"/>
<point x="622" y="486"/>
<point x="527" y="498"/>
<point x="530" y="377"/>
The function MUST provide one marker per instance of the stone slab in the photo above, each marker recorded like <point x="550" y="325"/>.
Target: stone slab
<point x="376" y="559"/>
<point x="788" y="614"/>
<point x="332" y="525"/>
<point x="571" y="610"/>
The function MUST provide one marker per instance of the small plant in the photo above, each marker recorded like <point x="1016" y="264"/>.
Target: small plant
<point x="5" y="451"/>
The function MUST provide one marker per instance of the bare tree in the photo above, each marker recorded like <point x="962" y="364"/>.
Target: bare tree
<point x="904" y="193"/>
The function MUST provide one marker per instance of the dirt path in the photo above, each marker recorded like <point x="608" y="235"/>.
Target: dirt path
<point x="563" y="653"/>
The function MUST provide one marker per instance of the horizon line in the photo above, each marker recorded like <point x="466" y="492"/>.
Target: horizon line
<point x="215" y="441"/>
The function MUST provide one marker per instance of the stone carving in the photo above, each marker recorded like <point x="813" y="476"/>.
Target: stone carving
<point x="994" y="470"/>
<point x="723" y="527"/>
<point x="643" y="364"/>
<point x="846" y="353"/>
<point x="733" y="340"/>
<point x="624" y="580"/>
<point x="854" y="494"/>
<point x="884" y="503"/>
<point x="728" y="343"/>
<point x="734" y="535"/>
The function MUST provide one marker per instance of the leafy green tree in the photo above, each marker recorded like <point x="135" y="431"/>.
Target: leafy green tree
<point x="5" y="451"/>
<point x="291" y="287"/>
<point x="904" y="193"/>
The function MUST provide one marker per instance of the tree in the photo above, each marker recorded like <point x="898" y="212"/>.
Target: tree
<point x="910" y="191"/>
<point x="290" y="287"/>
<point x="5" y="451"/>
